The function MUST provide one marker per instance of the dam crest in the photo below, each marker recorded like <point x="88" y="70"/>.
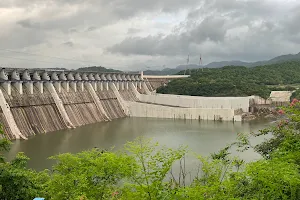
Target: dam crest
<point x="37" y="101"/>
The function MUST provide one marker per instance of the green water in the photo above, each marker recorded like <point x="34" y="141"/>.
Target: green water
<point x="202" y="137"/>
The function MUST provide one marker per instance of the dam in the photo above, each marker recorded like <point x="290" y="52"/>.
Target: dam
<point x="37" y="101"/>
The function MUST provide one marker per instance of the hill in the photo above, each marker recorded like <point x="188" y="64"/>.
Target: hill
<point x="289" y="57"/>
<point x="97" y="69"/>
<point x="278" y="59"/>
<point x="226" y="63"/>
<point x="236" y="80"/>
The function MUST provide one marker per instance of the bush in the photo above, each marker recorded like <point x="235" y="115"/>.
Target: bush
<point x="143" y="170"/>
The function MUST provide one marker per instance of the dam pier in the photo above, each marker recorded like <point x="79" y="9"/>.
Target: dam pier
<point x="37" y="101"/>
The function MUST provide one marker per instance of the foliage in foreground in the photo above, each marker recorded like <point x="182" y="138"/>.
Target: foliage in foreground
<point x="296" y="94"/>
<point x="145" y="170"/>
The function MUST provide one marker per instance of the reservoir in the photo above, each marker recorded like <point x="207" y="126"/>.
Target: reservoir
<point x="202" y="137"/>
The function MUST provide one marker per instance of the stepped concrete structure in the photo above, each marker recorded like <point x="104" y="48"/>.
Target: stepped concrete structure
<point x="37" y="101"/>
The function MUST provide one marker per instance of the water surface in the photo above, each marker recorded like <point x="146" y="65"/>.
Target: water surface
<point x="202" y="137"/>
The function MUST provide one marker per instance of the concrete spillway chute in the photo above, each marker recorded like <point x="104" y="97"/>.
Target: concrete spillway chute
<point x="15" y="77"/>
<point x="73" y="85"/>
<point x="39" y="86"/>
<point x="80" y="86"/>
<point x="65" y="83"/>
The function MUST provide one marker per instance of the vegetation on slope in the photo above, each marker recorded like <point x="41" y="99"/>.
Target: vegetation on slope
<point x="276" y="60"/>
<point x="296" y="94"/>
<point x="236" y="81"/>
<point x="144" y="171"/>
<point x="97" y="69"/>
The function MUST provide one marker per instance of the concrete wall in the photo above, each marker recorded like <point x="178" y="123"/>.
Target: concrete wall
<point x="275" y="97"/>
<point x="167" y="112"/>
<point x="256" y="100"/>
<point x="9" y="117"/>
<point x="197" y="102"/>
<point x="281" y="96"/>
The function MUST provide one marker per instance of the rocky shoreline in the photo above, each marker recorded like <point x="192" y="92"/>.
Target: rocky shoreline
<point x="263" y="112"/>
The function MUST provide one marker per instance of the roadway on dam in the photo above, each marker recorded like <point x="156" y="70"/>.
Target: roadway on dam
<point x="202" y="137"/>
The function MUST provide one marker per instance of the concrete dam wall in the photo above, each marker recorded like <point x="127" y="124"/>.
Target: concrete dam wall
<point x="33" y="112"/>
<point x="167" y="112"/>
<point x="183" y="107"/>
<point x="197" y="102"/>
<point x="40" y="101"/>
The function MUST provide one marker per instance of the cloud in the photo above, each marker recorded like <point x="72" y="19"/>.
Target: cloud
<point x="27" y="23"/>
<point x="130" y="33"/>
<point x="92" y="28"/>
<point x="133" y="30"/>
<point x="224" y="29"/>
<point x="69" y="44"/>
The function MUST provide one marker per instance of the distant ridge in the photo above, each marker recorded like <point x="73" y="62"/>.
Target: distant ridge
<point x="169" y="71"/>
<point x="97" y="69"/>
<point x="278" y="59"/>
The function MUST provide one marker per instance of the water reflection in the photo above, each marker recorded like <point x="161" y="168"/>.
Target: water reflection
<point x="202" y="137"/>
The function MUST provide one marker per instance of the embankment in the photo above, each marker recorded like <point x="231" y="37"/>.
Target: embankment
<point x="234" y="103"/>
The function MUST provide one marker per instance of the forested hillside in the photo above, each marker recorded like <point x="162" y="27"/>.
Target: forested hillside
<point x="97" y="69"/>
<point x="276" y="60"/>
<point x="236" y="80"/>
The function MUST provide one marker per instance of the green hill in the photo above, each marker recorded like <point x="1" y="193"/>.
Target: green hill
<point x="278" y="59"/>
<point x="97" y="69"/>
<point x="236" y="80"/>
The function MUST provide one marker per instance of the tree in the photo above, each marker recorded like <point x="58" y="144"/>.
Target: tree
<point x="153" y="165"/>
<point x="236" y="81"/>
<point x="16" y="181"/>
<point x="94" y="174"/>
<point x="145" y="170"/>
<point x="4" y="145"/>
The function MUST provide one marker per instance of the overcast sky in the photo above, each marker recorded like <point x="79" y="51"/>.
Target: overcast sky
<point x="136" y="34"/>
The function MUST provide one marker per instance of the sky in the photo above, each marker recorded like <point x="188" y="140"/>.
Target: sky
<point x="142" y="34"/>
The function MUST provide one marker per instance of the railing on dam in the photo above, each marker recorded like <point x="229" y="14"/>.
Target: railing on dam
<point x="165" y="76"/>
<point x="20" y="74"/>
